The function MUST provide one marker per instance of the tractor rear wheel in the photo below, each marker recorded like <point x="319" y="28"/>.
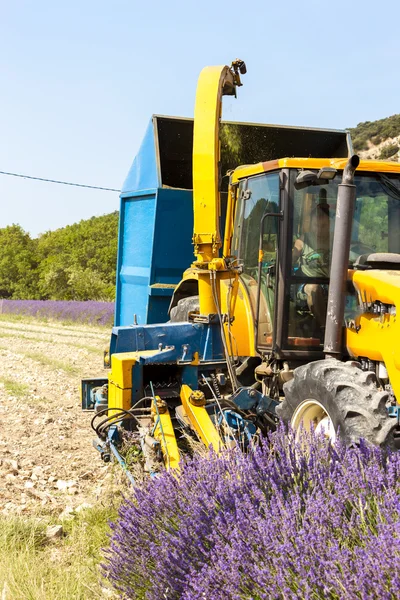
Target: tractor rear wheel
<point x="336" y="396"/>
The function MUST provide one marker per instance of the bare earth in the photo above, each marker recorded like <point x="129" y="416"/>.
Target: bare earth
<point x="47" y="461"/>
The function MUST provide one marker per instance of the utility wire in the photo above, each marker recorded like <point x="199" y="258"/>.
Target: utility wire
<point x="82" y="185"/>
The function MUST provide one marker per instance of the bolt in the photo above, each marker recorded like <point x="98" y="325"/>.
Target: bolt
<point x="161" y="405"/>
<point x="197" y="398"/>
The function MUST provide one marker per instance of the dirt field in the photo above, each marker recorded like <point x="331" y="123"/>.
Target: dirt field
<point x="46" y="456"/>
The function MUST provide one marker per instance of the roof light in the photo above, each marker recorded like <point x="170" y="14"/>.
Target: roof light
<point x="326" y="173"/>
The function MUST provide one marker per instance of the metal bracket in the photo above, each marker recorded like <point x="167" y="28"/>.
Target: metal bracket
<point x="250" y="399"/>
<point x="88" y="387"/>
<point x="394" y="411"/>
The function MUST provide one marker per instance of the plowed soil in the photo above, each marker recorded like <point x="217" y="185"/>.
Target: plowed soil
<point x="46" y="455"/>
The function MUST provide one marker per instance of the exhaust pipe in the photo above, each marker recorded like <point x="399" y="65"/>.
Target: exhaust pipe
<point x="340" y="261"/>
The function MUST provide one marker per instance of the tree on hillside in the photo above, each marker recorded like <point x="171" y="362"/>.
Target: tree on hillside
<point x="374" y="131"/>
<point x="18" y="264"/>
<point x="78" y="262"/>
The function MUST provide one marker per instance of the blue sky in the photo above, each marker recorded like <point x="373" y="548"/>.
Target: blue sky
<point x="80" y="81"/>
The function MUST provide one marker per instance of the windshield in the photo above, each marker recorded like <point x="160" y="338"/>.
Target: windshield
<point x="376" y="227"/>
<point x="376" y="221"/>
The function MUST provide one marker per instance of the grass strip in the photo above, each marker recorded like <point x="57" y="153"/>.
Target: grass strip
<point x="14" y="388"/>
<point x="92" y="349"/>
<point x="47" y="361"/>
<point x="31" y="566"/>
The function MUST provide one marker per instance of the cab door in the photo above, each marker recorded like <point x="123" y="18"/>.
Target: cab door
<point x="257" y="253"/>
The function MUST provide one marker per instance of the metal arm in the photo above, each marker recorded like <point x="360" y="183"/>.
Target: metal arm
<point x="213" y="83"/>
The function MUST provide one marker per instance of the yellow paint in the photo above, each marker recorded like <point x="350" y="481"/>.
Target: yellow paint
<point x="212" y="84"/>
<point x="118" y="398"/>
<point x="232" y="294"/>
<point x="379" y="166"/>
<point x="121" y="368"/>
<point x="378" y="336"/>
<point x="120" y="378"/>
<point x="230" y="210"/>
<point x="196" y="360"/>
<point x="169" y="447"/>
<point x="206" y="297"/>
<point x="242" y="338"/>
<point x="244" y="171"/>
<point x="200" y="420"/>
<point x="206" y="156"/>
<point x="242" y="307"/>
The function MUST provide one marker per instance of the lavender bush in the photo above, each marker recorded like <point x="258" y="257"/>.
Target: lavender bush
<point x="280" y="523"/>
<point x="90" y="312"/>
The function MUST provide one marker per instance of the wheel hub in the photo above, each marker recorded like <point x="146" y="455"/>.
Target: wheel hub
<point x="311" y="415"/>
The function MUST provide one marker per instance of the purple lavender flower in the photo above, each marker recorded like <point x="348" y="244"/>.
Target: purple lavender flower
<point x="90" y="311"/>
<point x="283" y="522"/>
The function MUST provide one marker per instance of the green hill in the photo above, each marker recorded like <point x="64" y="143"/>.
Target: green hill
<point x="76" y="262"/>
<point x="379" y="138"/>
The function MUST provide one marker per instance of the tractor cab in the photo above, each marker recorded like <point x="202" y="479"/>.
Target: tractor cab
<point x="283" y="237"/>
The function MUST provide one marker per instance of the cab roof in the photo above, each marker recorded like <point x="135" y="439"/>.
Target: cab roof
<point x="379" y="166"/>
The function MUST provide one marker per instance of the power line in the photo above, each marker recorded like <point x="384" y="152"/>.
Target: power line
<point x="82" y="185"/>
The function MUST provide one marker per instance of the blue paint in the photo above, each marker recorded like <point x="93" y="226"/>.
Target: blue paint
<point x="144" y="173"/>
<point x="250" y="399"/>
<point x="155" y="239"/>
<point x="190" y="376"/>
<point x="394" y="411"/>
<point x="136" y="224"/>
<point x="242" y="428"/>
<point x="89" y="388"/>
<point x="176" y="342"/>
<point x="101" y="398"/>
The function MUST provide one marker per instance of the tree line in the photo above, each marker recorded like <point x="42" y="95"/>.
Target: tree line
<point x="76" y="262"/>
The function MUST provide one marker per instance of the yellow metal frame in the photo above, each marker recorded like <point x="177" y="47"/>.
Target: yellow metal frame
<point x="377" y="336"/>
<point x="213" y="83"/>
<point x="200" y="420"/>
<point x="229" y="221"/>
<point x="120" y="397"/>
<point x="120" y="380"/>
<point x="235" y="301"/>
<point x="206" y="156"/>
<point x="380" y="166"/>
<point x="164" y="433"/>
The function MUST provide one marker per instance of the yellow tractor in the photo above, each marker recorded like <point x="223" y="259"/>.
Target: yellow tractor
<point x="289" y="310"/>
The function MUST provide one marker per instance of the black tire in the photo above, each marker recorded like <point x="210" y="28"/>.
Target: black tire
<point x="181" y="311"/>
<point x="349" y="397"/>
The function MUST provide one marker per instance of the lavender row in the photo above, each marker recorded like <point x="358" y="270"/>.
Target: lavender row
<point x="283" y="523"/>
<point x="89" y="312"/>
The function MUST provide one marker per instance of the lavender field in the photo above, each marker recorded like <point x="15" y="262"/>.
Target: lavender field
<point x="88" y="312"/>
<point x="286" y="522"/>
